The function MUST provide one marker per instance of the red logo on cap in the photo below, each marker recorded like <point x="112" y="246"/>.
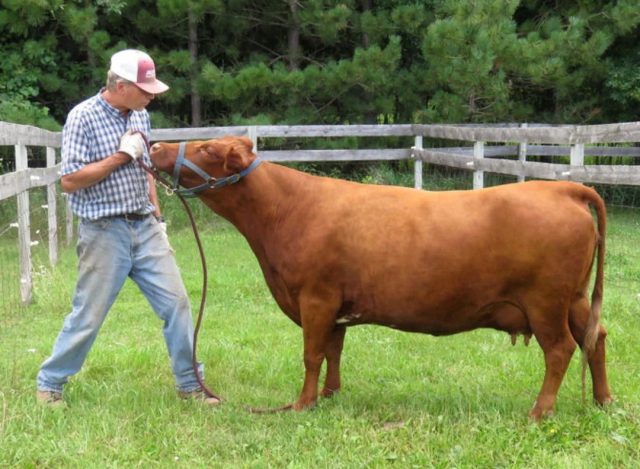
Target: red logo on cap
<point x="146" y="71"/>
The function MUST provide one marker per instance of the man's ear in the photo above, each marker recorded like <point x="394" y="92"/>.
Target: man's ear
<point x="120" y="85"/>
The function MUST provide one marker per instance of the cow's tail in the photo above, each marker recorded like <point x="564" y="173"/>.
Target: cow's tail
<point x="593" y="324"/>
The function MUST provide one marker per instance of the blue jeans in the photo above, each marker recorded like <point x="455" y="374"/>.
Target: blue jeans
<point x="110" y="250"/>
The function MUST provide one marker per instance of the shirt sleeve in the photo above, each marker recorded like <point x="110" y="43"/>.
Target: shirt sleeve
<point x="76" y="148"/>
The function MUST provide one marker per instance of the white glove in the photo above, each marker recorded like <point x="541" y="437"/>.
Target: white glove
<point x="132" y="144"/>
<point x="162" y="224"/>
<point x="163" y="229"/>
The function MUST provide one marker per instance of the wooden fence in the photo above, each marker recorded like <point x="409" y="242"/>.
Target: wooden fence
<point x="510" y="145"/>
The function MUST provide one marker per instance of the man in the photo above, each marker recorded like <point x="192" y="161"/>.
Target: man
<point x="121" y="233"/>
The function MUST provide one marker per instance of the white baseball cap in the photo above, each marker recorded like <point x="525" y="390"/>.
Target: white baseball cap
<point x="138" y="68"/>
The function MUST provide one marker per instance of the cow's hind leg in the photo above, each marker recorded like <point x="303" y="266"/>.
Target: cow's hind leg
<point x="558" y="346"/>
<point x="333" y="353"/>
<point x="578" y="318"/>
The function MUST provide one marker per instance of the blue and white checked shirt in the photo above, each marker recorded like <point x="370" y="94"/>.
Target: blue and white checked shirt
<point x="91" y="133"/>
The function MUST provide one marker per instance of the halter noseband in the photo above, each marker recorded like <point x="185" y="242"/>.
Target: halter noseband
<point x="210" y="182"/>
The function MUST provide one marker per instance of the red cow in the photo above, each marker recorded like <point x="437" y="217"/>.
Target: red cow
<point x="516" y="258"/>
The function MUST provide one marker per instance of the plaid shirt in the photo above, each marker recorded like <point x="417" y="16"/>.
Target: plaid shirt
<point x="91" y="133"/>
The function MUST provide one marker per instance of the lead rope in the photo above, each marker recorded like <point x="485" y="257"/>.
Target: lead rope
<point x="203" y="296"/>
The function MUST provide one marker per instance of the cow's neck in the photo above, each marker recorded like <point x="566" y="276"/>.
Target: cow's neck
<point x="259" y="203"/>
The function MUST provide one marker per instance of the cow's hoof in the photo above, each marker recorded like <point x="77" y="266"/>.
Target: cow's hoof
<point x="328" y="392"/>
<point x="604" y="401"/>
<point x="537" y="414"/>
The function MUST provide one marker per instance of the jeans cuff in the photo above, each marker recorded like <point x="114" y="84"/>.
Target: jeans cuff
<point x="49" y="389"/>
<point x="190" y="389"/>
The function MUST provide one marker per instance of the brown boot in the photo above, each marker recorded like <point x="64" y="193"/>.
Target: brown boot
<point x="199" y="395"/>
<point x="50" y="398"/>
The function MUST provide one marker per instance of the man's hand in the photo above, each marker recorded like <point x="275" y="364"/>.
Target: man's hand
<point x="132" y="144"/>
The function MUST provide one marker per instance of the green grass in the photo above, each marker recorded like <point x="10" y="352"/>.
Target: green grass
<point x="408" y="400"/>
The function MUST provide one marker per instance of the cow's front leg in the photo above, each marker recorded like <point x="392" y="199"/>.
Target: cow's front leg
<point x="317" y="314"/>
<point x="333" y="354"/>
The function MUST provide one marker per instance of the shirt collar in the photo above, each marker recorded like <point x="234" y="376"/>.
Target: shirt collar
<point x="108" y="107"/>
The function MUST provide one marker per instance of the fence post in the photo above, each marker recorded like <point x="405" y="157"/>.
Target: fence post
<point x="24" y="228"/>
<point x="51" y="210"/>
<point x="69" y="220"/>
<point x="478" y="154"/>
<point x="417" y="168"/>
<point x="252" y="133"/>
<point x="522" y="153"/>
<point x="577" y="154"/>
<point x="576" y="157"/>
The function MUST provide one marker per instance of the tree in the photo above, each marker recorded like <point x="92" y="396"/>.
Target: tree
<point x="320" y="61"/>
<point x="195" y="12"/>
<point x="569" y="53"/>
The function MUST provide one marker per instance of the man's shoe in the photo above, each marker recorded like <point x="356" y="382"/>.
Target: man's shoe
<point x="199" y="395"/>
<point x="50" y="398"/>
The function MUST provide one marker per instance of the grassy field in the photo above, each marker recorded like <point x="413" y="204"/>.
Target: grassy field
<point x="408" y="400"/>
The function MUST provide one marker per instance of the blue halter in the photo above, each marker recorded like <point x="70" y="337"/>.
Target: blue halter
<point x="210" y="182"/>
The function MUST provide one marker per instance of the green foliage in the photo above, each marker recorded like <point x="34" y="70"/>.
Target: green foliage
<point x="333" y="62"/>
<point x="20" y="19"/>
<point x="20" y="83"/>
<point x="23" y="112"/>
<point x="79" y="21"/>
<point x="326" y="20"/>
<point x="623" y="86"/>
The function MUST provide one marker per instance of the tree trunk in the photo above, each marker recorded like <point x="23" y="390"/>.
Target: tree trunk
<point x="366" y="6"/>
<point x="294" y="36"/>
<point x="196" y="108"/>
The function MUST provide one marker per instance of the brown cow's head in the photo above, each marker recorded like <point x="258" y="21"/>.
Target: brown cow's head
<point x="218" y="158"/>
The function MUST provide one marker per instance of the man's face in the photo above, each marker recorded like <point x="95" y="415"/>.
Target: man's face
<point x="135" y="98"/>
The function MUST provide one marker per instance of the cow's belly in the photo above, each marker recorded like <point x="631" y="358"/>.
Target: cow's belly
<point x="501" y="315"/>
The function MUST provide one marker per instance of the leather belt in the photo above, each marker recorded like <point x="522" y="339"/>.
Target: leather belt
<point x="132" y="216"/>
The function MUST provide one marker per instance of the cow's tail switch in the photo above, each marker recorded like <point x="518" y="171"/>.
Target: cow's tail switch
<point x="592" y="331"/>
<point x="593" y="325"/>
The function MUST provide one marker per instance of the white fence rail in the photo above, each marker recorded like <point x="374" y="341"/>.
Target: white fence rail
<point x="511" y="144"/>
<point x="24" y="178"/>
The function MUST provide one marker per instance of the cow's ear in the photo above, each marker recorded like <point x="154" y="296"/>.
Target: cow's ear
<point x="238" y="157"/>
<point x="247" y="142"/>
